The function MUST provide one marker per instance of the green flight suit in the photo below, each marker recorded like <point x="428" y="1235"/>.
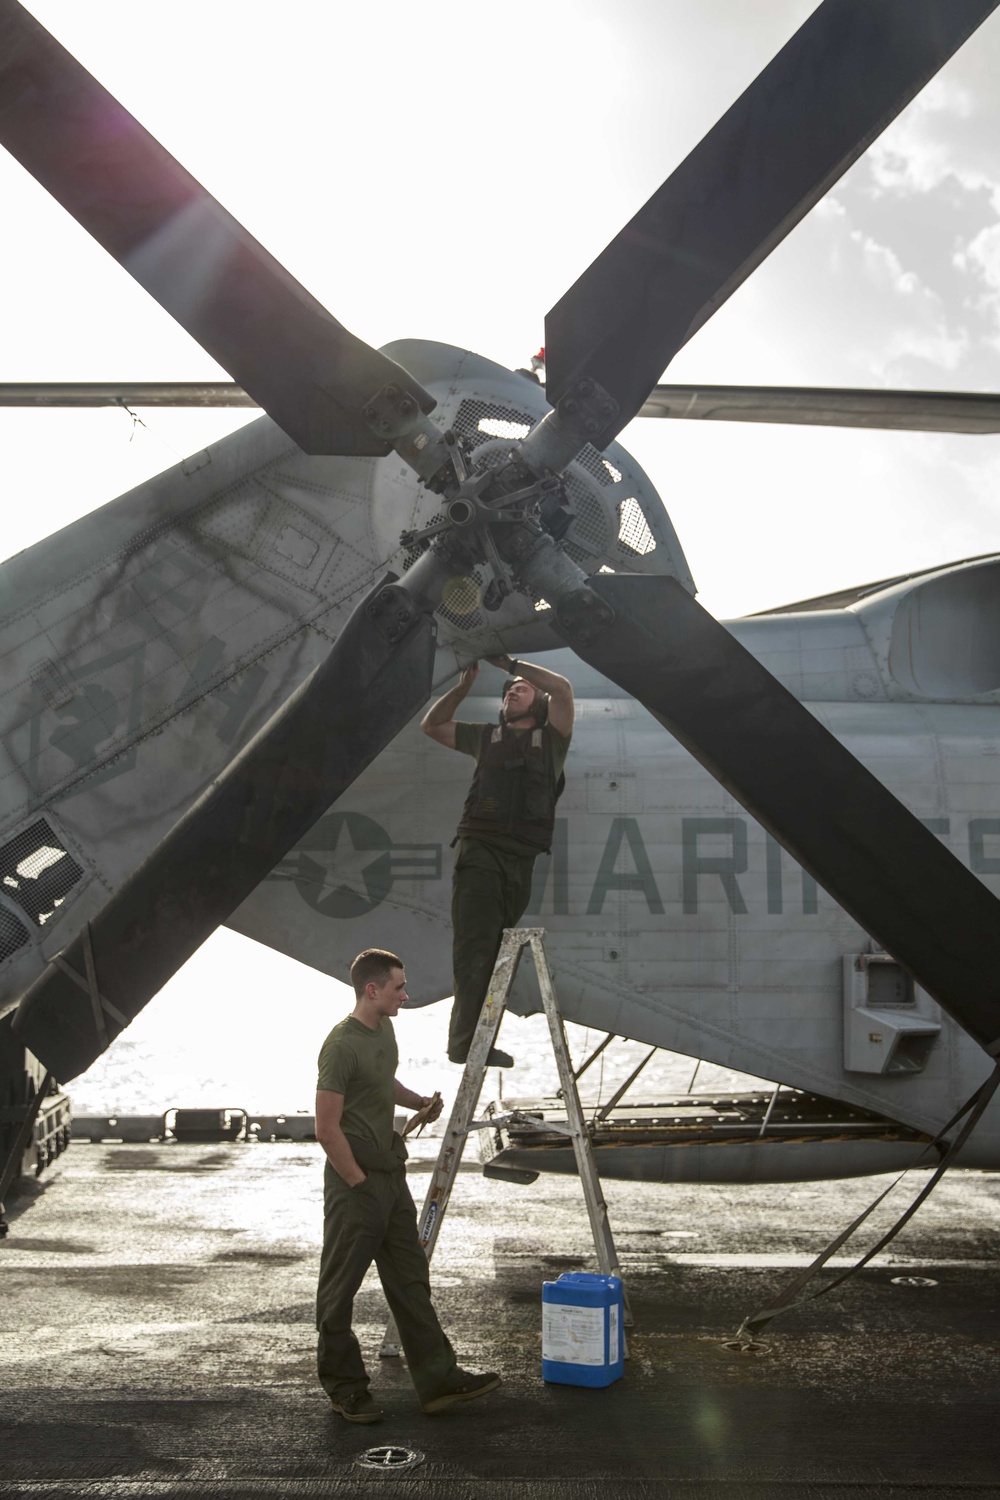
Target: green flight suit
<point x="375" y="1221"/>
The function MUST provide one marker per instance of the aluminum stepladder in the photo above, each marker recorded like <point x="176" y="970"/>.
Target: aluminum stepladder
<point x="461" y="1122"/>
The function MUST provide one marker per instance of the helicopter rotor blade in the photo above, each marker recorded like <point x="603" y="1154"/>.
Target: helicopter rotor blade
<point x="123" y="393"/>
<point x="839" y="81"/>
<point x="374" y="679"/>
<point x="888" y="871"/>
<point x="810" y="406"/>
<point x="276" y="341"/>
<point x="818" y="406"/>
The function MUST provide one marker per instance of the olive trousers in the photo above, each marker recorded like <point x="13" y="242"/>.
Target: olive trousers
<point x="376" y="1221"/>
<point x="489" y="891"/>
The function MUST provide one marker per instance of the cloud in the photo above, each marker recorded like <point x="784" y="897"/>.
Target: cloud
<point x="948" y="131"/>
<point x="925" y="145"/>
<point x="918" y="322"/>
<point x="980" y="259"/>
<point x="983" y="255"/>
<point x="928" y="191"/>
<point x="851" y="298"/>
<point x="888" y="280"/>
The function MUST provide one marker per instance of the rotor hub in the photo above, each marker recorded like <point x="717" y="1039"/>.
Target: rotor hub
<point x="490" y="518"/>
<point x="461" y="511"/>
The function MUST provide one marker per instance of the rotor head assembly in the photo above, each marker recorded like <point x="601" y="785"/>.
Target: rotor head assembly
<point x="500" y="512"/>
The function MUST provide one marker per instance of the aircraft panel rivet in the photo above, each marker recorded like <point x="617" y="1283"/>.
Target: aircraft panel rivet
<point x="392" y="391"/>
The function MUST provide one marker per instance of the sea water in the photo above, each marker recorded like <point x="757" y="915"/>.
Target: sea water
<point x="240" y="1026"/>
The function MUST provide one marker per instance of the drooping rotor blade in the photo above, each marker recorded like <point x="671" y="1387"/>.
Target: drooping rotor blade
<point x="863" y="846"/>
<point x="281" y="345"/>
<point x="809" y="406"/>
<point x="374" y="679"/>
<point x="818" y="406"/>
<point x="124" y="393"/>
<point x="814" y="109"/>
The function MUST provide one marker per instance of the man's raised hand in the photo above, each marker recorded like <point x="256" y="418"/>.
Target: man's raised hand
<point x="439" y="720"/>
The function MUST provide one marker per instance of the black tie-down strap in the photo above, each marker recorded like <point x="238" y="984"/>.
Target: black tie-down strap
<point x="101" y="1006"/>
<point x="973" y="1107"/>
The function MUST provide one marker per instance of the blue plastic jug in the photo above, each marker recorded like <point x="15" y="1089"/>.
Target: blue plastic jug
<point x="582" y="1336"/>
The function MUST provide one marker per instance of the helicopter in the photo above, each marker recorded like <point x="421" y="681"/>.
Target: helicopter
<point x="236" y="658"/>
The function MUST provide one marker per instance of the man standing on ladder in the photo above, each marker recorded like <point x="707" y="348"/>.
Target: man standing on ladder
<point x="507" y="821"/>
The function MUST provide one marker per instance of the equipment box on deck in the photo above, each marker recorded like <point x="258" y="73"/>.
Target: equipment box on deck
<point x="582" y="1337"/>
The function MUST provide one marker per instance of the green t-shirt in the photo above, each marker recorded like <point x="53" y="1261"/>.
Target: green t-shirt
<point x="361" y="1064"/>
<point x="468" y="739"/>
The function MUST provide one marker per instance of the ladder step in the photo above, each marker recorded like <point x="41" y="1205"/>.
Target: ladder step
<point x="510" y="1174"/>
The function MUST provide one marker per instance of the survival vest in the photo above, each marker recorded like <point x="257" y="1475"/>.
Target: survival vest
<point x="514" y="789"/>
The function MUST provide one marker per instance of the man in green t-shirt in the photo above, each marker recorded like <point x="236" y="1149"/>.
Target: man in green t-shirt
<point x="507" y="822"/>
<point x="368" y="1213"/>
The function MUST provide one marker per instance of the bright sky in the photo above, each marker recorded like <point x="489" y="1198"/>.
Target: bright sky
<point x="448" y="171"/>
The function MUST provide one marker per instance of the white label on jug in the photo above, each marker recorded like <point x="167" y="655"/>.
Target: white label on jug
<point x="613" y="1334"/>
<point x="572" y="1334"/>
